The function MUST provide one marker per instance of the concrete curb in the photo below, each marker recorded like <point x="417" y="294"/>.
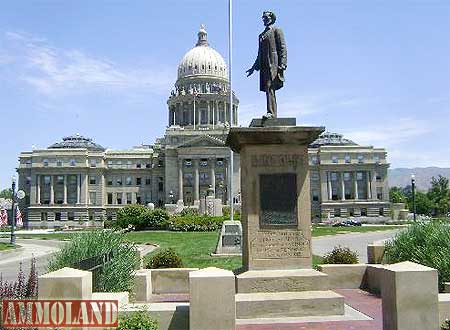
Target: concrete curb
<point x="12" y="253"/>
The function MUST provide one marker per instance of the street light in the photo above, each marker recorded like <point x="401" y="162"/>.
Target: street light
<point x="13" y="208"/>
<point x="413" y="190"/>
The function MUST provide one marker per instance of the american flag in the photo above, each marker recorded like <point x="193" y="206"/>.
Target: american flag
<point x="19" y="221"/>
<point x="3" y="217"/>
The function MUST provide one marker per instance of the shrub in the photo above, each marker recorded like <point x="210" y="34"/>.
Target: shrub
<point x="131" y="215"/>
<point x="165" y="259"/>
<point x="155" y="219"/>
<point x="117" y="274"/>
<point x="137" y="321"/>
<point x="189" y="212"/>
<point x="341" y="255"/>
<point x="196" y="223"/>
<point x="426" y="243"/>
<point x="227" y="211"/>
<point x="446" y="325"/>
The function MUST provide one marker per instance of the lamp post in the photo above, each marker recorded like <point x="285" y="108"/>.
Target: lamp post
<point x="13" y="208"/>
<point x="413" y="190"/>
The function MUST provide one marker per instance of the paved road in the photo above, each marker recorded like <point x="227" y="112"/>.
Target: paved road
<point x="40" y="249"/>
<point x="355" y="241"/>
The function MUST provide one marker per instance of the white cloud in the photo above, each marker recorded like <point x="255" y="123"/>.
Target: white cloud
<point x="51" y="70"/>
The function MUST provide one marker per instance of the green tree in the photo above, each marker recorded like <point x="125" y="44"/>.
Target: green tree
<point x="6" y="193"/>
<point x="396" y="195"/>
<point x="423" y="204"/>
<point x="439" y="194"/>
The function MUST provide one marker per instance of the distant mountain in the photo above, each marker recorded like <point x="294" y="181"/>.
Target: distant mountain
<point x="401" y="177"/>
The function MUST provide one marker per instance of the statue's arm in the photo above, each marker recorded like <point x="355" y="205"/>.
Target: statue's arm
<point x="256" y="66"/>
<point x="281" y="49"/>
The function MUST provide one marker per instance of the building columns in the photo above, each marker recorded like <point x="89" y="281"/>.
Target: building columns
<point x="196" y="181"/>
<point x="65" y="189"/>
<point x="38" y="192"/>
<point x="373" y="184"/>
<point x="330" y="192"/>
<point x="369" y="191"/>
<point x="78" y="189"/>
<point x="180" y="180"/>
<point x="355" y="184"/>
<point x="52" y="190"/>
<point x="213" y="175"/>
<point x="342" y="187"/>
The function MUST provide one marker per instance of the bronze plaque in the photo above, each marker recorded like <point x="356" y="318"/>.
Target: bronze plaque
<point x="278" y="199"/>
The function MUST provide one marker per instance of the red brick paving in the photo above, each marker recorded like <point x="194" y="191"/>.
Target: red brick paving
<point x="358" y="299"/>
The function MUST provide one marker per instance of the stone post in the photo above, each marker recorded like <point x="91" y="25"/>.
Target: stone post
<point x="410" y="297"/>
<point x="212" y="299"/>
<point x="66" y="283"/>
<point x="196" y="181"/>
<point x="143" y="285"/>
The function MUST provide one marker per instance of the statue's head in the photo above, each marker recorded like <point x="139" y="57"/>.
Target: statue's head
<point x="268" y="18"/>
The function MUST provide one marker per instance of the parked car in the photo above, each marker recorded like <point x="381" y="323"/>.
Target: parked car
<point x="347" y="223"/>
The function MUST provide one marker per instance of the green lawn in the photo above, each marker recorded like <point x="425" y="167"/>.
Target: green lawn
<point x="6" y="246"/>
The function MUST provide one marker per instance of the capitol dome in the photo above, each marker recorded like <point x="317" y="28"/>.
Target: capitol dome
<point x="202" y="60"/>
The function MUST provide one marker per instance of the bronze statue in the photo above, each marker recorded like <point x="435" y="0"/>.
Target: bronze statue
<point x="271" y="61"/>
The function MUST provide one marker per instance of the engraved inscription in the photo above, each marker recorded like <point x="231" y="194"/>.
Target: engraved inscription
<point x="280" y="244"/>
<point x="276" y="160"/>
<point x="278" y="199"/>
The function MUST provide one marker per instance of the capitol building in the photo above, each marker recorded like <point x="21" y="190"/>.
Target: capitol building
<point x="77" y="180"/>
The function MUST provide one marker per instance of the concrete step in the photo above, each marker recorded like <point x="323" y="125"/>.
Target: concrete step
<point x="288" y="304"/>
<point x="291" y="280"/>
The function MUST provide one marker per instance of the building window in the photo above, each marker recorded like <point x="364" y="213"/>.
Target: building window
<point x="119" y="198"/>
<point x="351" y="212"/>
<point x="378" y="177"/>
<point x="359" y="176"/>
<point x="110" y="163"/>
<point x="148" y="165"/>
<point x="44" y="216"/>
<point x="93" y="163"/>
<point x="138" y="165"/>
<point x="364" y="212"/>
<point x="72" y="162"/>
<point x="334" y="159"/>
<point x="28" y="162"/>
<point x="110" y="200"/>
<point x="60" y="179"/>
<point x="315" y="176"/>
<point x="59" y="163"/>
<point x="315" y="160"/>
<point x="188" y="163"/>
<point x="376" y="159"/>
<point x="109" y="181"/>
<point x="188" y="179"/>
<point x="28" y="180"/>
<point x="346" y="176"/>
<point x="47" y="180"/>
<point x="129" y="164"/>
<point x="128" y="198"/>
<point x="204" y="177"/>
<point x="219" y="162"/>
<point x="381" y="211"/>
<point x="128" y="181"/>
<point x="379" y="193"/>
<point x="337" y="212"/>
<point x="160" y="163"/>
<point x="119" y="163"/>
<point x="160" y="184"/>
<point x="45" y="162"/>
<point x="360" y="159"/>
<point x="59" y="197"/>
<point x="138" y="198"/>
<point x="333" y="176"/>
<point x="119" y="181"/>
<point x="148" y="181"/>
<point x="315" y="195"/>
<point x="57" y="216"/>
<point x="92" y="180"/>
<point x="138" y="181"/>
<point x="347" y="159"/>
<point x="70" y="216"/>
<point x="93" y="198"/>
<point x="203" y="162"/>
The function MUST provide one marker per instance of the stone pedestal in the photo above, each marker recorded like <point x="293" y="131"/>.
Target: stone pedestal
<point x="230" y="239"/>
<point x="211" y="206"/>
<point x="275" y="188"/>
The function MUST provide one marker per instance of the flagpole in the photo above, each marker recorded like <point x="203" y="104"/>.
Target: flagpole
<point x="230" y="70"/>
<point x="13" y="209"/>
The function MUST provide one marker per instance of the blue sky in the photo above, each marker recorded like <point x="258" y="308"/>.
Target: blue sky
<point x="377" y="71"/>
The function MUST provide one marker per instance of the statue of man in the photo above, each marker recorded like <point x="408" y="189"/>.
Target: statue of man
<point x="271" y="61"/>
